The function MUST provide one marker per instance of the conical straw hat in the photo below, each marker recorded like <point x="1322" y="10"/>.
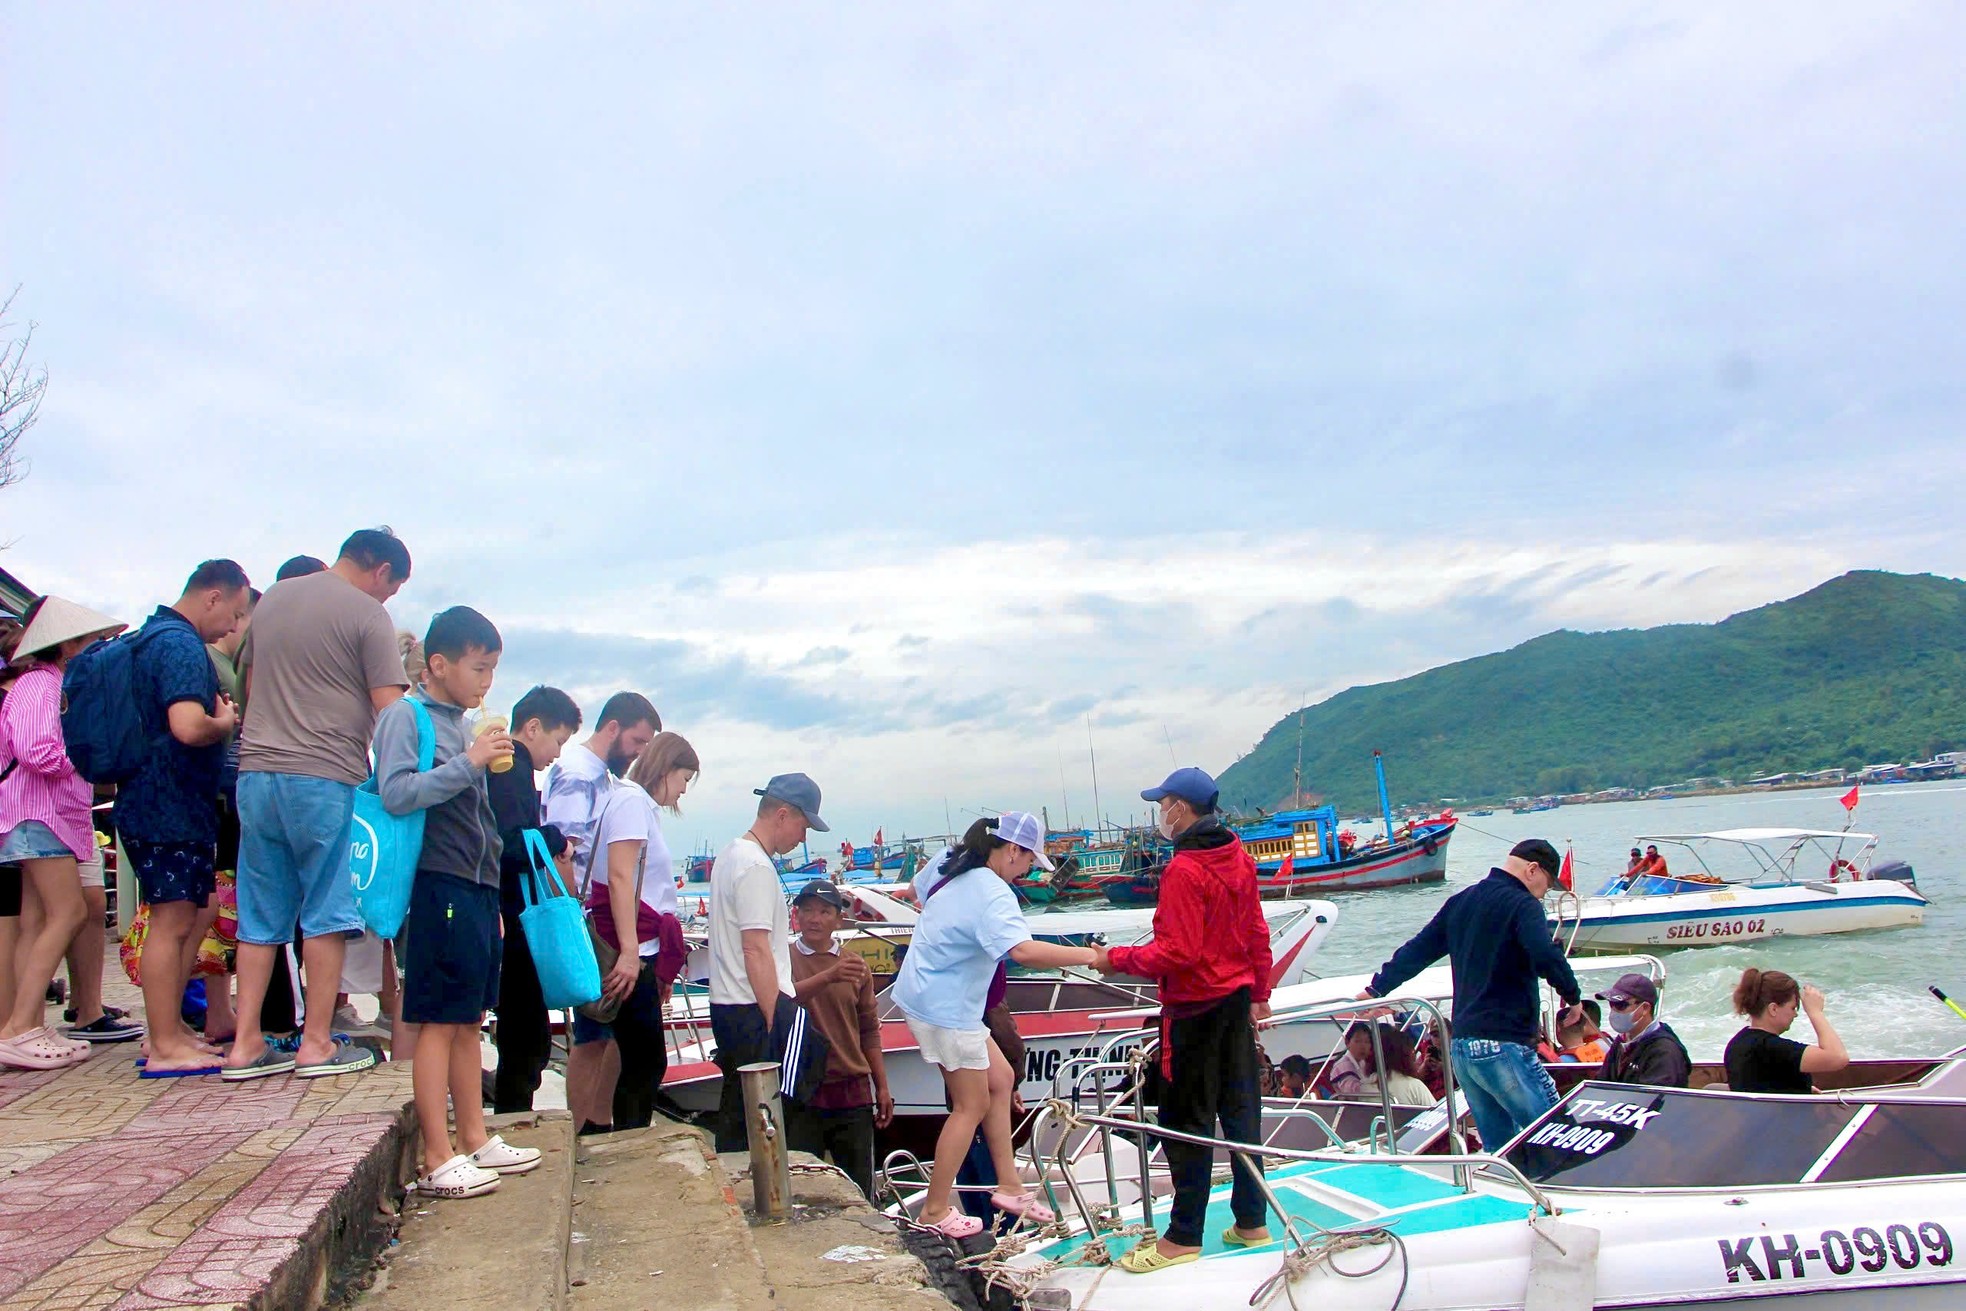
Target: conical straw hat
<point x="57" y="621"/>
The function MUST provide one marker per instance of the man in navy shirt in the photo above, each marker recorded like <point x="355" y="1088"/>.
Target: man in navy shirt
<point x="167" y="816"/>
<point x="1498" y="941"/>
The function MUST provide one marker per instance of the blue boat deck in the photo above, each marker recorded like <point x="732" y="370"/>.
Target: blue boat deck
<point x="1339" y="1195"/>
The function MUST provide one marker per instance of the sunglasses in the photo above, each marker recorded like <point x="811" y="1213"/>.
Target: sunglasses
<point x="1617" y="1005"/>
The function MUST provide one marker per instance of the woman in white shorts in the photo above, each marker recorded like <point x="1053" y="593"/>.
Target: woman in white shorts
<point x="970" y="922"/>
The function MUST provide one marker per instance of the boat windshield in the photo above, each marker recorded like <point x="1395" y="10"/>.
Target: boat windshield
<point x="1607" y="1135"/>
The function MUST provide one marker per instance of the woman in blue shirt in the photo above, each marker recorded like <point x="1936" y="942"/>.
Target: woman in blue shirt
<point x="970" y="922"/>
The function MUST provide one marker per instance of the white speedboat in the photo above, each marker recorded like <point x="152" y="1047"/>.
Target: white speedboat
<point x="1620" y="1196"/>
<point x="1772" y="882"/>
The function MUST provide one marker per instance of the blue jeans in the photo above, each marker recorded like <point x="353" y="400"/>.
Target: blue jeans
<point x="1506" y="1086"/>
<point x="293" y="858"/>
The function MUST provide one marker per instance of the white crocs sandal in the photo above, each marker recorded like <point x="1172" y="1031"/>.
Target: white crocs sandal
<point x="456" y="1178"/>
<point x="502" y="1158"/>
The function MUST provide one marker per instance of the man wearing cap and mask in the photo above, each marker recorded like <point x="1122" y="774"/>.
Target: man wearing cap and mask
<point x="1498" y="940"/>
<point x="1210" y="954"/>
<point x="751" y="989"/>
<point x="837" y="990"/>
<point x="1644" y="1049"/>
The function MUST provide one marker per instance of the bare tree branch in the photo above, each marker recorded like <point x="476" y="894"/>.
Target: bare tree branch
<point x="22" y="386"/>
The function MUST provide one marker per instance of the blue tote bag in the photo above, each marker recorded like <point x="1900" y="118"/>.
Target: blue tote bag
<point x="383" y="848"/>
<point x="556" y="933"/>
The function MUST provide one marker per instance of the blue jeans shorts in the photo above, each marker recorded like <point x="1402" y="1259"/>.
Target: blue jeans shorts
<point x="1506" y="1086"/>
<point x="293" y="858"/>
<point x="174" y="871"/>
<point x="451" y="950"/>
<point x="31" y="840"/>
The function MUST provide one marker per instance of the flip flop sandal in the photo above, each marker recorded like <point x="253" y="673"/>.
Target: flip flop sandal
<point x="270" y="1061"/>
<point x="501" y="1158"/>
<point x="33" y="1051"/>
<point x="1024" y="1206"/>
<point x="456" y="1178"/>
<point x="146" y="1072"/>
<point x="1233" y="1237"/>
<point x="1146" y="1260"/>
<point x="347" y="1059"/>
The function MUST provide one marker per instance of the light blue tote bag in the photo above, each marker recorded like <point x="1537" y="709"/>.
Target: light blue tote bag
<point x="556" y="933"/>
<point x="383" y="848"/>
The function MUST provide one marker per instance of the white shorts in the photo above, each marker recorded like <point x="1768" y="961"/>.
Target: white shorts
<point x="91" y="870"/>
<point x="952" y="1049"/>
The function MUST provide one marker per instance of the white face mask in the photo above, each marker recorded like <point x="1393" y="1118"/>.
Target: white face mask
<point x="1164" y="826"/>
<point x="1620" y="1022"/>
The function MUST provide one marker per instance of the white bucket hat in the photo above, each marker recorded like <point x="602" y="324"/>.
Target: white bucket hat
<point x="57" y="621"/>
<point x="1020" y="828"/>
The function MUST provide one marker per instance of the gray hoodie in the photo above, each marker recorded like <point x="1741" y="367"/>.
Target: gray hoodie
<point x="459" y="835"/>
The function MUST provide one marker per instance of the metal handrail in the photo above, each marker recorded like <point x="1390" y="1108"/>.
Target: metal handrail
<point x="1359" y="1007"/>
<point x="1243" y="1151"/>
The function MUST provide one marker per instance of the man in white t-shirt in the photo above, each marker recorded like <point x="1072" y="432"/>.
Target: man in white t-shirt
<point x="580" y="779"/>
<point x="751" y="1003"/>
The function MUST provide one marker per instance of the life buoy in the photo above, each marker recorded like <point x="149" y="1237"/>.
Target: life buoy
<point x="1840" y="867"/>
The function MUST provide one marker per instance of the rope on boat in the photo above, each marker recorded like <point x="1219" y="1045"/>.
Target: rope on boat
<point x="1323" y="1250"/>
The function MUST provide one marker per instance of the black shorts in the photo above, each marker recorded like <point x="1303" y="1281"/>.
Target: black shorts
<point x="173" y="871"/>
<point x="450" y="950"/>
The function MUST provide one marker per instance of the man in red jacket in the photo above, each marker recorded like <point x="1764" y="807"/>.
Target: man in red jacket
<point x="1211" y="956"/>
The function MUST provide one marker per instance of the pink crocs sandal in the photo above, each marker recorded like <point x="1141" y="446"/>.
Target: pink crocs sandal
<point x="39" y="1049"/>
<point x="958" y="1225"/>
<point x="1024" y="1206"/>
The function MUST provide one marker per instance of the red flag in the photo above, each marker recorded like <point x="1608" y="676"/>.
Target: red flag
<point x="1849" y="799"/>
<point x="1563" y="875"/>
<point x="1283" y="870"/>
<point x="877" y="836"/>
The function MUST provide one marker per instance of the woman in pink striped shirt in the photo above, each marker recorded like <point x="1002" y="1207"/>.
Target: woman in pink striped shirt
<point x="44" y="823"/>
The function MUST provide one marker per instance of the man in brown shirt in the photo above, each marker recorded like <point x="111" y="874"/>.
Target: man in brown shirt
<point x="837" y="990"/>
<point x="324" y="664"/>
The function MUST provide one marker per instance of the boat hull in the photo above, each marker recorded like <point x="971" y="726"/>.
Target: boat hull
<point x="1416" y="860"/>
<point x="1708" y="1248"/>
<point x="1742" y="914"/>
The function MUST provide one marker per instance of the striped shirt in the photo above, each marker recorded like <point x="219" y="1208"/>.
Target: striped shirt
<point x="44" y="786"/>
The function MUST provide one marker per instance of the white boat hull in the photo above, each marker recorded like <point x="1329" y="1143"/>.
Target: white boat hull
<point x="1740" y="913"/>
<point x="1808" y="1246"/>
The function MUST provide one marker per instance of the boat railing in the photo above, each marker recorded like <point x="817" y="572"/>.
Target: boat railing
<point x="1101" y="1221"/>
<point x="1355" y="1008"/>
<point x="1570" y="907"/>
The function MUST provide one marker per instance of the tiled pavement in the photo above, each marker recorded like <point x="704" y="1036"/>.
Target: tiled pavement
<point x="133" y="1194"/>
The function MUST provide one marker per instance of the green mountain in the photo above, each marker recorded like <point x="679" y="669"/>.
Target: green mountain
<point x="1867" y="667"/>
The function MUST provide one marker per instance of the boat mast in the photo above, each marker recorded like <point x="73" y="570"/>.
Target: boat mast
<point x="1385" y="801"/>
<point x="1098" y="817"/>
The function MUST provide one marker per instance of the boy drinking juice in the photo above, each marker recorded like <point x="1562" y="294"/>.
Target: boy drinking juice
<point x="450" y="942"/>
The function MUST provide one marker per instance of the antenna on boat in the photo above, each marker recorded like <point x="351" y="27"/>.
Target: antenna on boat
<point x="1063" y="791"/>
<point x="1297" y="775"/>
<point x="1098" y="816"/>
<point x="1168" y="738"/>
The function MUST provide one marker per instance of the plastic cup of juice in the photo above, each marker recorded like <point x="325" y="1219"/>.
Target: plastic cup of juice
<point x="498" y="723"/>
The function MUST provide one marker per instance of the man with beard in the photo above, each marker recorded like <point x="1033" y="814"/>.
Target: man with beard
<point x="579" y="782"/>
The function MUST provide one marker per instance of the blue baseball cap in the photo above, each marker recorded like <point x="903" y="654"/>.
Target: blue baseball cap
<point x="1191" y="785"/>
<point x="798" y="792"/>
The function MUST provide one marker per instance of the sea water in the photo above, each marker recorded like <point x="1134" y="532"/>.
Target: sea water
<point x="1874" y="983"/>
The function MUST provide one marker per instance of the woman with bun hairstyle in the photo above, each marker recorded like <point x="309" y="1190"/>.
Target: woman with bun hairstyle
<point x="1759" y="1059"/>
<point x="970" y="921"/>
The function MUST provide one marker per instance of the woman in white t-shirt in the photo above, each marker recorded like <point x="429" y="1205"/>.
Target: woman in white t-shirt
<point x="628" y="854"/>
<point x="970" y="921"/>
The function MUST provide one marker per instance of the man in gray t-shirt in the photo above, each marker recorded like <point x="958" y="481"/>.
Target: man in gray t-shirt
<point x="324" y="664"/>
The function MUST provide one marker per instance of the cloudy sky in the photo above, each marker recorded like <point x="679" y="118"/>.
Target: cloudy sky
<point x="892" y="391"/>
